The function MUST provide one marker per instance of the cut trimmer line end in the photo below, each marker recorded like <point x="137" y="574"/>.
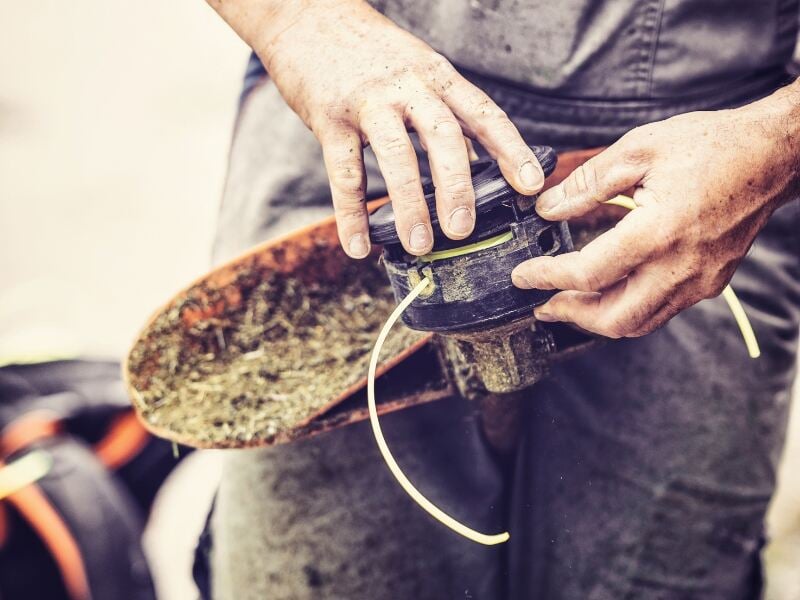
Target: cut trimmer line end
<point x="405" y="483"/>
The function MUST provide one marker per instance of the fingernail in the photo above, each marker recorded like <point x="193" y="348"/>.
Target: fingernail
<point x="357" y="246"/>
<point x="420" y="238"/>
<point x="531" y="176"/>
<point x="549" y="200"/>
<point x="519" y="280"/>
<point x="545" y="317"/>
<point x="461" y="221"/>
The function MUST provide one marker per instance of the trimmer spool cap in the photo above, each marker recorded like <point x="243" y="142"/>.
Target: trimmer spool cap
<point x="471" y="287"/>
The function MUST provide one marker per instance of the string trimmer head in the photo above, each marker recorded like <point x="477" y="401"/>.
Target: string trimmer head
<point x="471" y="278"/>
<point x="273" y="346"/>
<point x="489" y="335"/>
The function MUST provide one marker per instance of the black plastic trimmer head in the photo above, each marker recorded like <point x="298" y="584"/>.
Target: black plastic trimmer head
<point x="471" y="278"/>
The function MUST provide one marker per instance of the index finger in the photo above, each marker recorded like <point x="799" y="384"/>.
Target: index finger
<point x="487" y="122"/>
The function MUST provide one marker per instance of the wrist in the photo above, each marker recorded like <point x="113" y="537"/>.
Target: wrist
<point x="775" y="139"/>
<point x="267" y="26"/>
<point x="788" y="127"/>
<point x="261" y="23"/>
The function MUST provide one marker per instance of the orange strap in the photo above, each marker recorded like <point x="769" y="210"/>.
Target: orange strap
<point x="36" y="509"/>
<point x="28" y="429"/>
<point x="125" y="439"/>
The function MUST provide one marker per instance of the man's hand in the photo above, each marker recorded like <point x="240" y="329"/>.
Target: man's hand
<point x="356" y="78"/>
<point x="704" y="183"/>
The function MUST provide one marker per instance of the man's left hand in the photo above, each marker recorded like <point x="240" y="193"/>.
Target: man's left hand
<point x="704" y="183"/>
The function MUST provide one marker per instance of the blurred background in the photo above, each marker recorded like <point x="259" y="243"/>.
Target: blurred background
<point x="115" y="119"/>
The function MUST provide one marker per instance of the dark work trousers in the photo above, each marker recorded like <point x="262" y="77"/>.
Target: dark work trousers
<point x="645" y="466"/>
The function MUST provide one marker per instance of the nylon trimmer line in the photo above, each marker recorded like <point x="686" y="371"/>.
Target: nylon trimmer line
<point x="481" y="538"/>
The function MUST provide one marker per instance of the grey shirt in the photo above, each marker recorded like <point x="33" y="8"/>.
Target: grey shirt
<point x="618" y="50"/>
<point x="645" y="467"/>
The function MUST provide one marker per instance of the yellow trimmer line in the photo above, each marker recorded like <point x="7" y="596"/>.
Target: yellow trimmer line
<point x="481" y="538"/>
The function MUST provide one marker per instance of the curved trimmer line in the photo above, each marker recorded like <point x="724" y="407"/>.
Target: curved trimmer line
<point x="437" y="513"/>
<point x="433" y="510"/>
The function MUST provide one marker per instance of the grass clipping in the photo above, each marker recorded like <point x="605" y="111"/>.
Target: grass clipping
<point x="253" y="371"/>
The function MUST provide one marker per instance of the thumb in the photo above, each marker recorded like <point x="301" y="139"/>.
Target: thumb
<point x="600" y="178"/>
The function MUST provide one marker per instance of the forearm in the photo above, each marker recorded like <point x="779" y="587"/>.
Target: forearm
<point x="260" y="22"/>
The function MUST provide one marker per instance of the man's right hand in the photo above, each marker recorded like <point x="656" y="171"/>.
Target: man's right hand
<point x="356" y="78"/>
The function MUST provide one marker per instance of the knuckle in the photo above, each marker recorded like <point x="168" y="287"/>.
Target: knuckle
<point x="446" y="126"/>
<point x="635" y="156"/>
<point x="586" y="280"/>
<point x="645" y="329"/>
<point x="441" y="73"/>
<point x="347" y="178"/>
<point x="499" y="125"/>
<point x="390" y="144"/>
<point x="635" y="319"/>
<point x="377" y="90"/>
<point x="627" y="322"/>
<point x="715" y="287"/>
<point x="711" y="283"/>
<point x="439" y="65"/>
<point x="408" y="186"/>
<point x="584" y="178"/>
<point x="669" y="309"/>
<point x="348" y="207"/>
<point x="457" y="184"/>
<point x="375" y="110"/>
<point x="634" y="147"/>
<point x="496" y="114"/>
<point x="408" y="190"/>
<point x="350" y="212"/>
<point x="613" y="328"/>
<point x="641" y="332"/>
<point x="410" y="212"/>
<point x="512" y="142"/>
<point x="335" y="111"/>
<point x="369" y="112"/>
<point x="540" y="272"/>
<point x="490" y="118"/>
<point x="348" y="190"/>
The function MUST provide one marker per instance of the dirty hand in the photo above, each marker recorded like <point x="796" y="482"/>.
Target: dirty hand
<point x="705" y="183"/>
<point x="356" y="78"/>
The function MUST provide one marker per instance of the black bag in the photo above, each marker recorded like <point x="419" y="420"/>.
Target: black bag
<point x="75" y="533"/>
